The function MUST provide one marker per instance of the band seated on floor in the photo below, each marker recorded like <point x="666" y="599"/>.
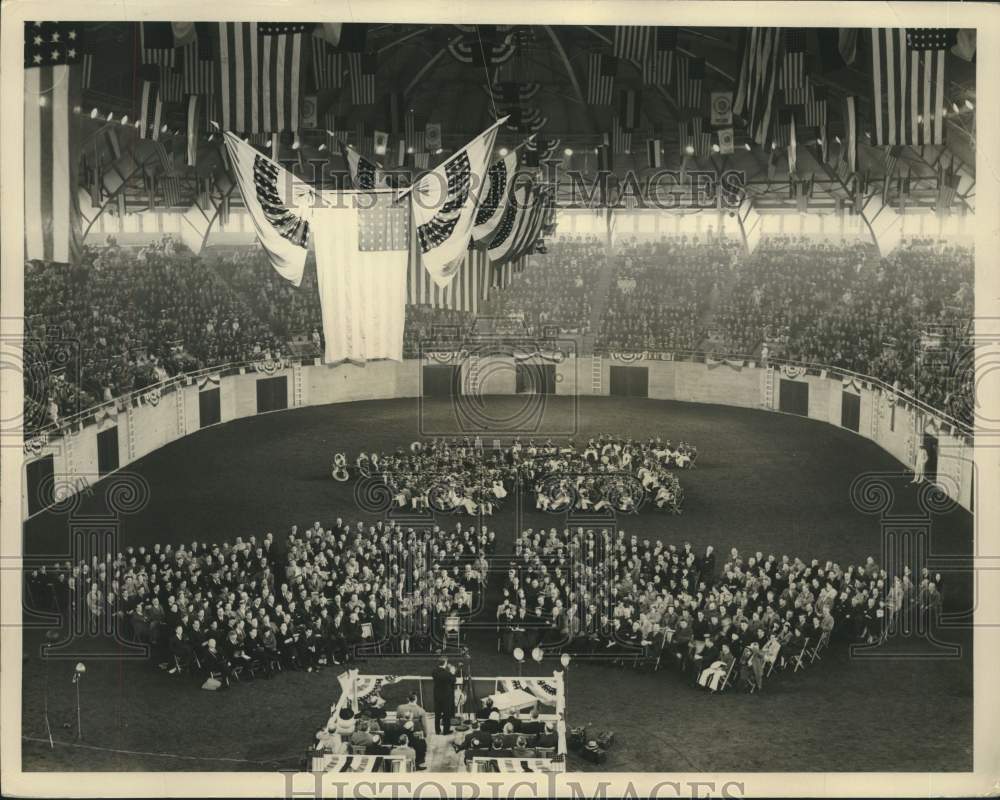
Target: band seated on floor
<point x="611" y="473"/>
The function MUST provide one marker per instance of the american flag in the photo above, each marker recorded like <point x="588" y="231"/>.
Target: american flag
<point x="908" y="82"/>
<point x="815" y="115"/>
<point x="362" y="68"/>
<point x="494" y="202"/>
<point x="157" y="43"/>
<point x="948" y="183"/>
<point x="657" y="67"/>
<point x="260" y="70"/>
<point x="654" y="153"/>
<point x="783" y="130"/>
<point x="87" y="68"/>
<point x="690" y="77"/>
<point x="502" y="246"/>
<point x="395" y="103"/>
<point x="601" y="79"/>
<point x="792" y="80"/>
<point x="628" y="110"/>
<point x="172" y="84"/>
<point x="51" y="139"/>
<point x="632" y="42"/>
<point x="758" y="77"/>
<point x="462" y="294"/>
<point x="328" y="65"/>
<point x="150" y="105"/>
<point x="198" y="61"/>
<point x="365" y="174"/>
<point x="621" y="139"/>
<point x="696" y="134"/>
<point x="410" y="128"/>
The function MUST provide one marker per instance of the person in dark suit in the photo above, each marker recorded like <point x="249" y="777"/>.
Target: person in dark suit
<point x="532" y="726"/>
<point x="444" y="696"/>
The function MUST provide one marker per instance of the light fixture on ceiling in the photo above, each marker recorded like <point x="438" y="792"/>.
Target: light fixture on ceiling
<point x="689" y="150"/>
<point x="568" y="152"/>
<point x="503" y="151"/>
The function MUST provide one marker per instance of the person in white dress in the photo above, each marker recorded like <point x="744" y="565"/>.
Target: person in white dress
<point x="920" y="466"/>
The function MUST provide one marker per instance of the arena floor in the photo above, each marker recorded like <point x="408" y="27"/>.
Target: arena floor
<point x="765" y="481"/>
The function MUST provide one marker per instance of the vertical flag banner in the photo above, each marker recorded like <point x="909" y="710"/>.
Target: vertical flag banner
<point x="601" y="79"/>
<point x="327" y="63"/>
<point x="792" y="80"/>
<point x="362" y="68"/>
<point x="361" y="257"/>
<point x="629" y="108"/>
<point x="52" y="89"/>
<point x="632" y="42"/>
<point x="690" y="77"/>
<point x="192" y="130"/>
<point x="726" y="141"/>
<point x="908" y="82"/>
<point x="260" y="70"/>
<point x="156" y="40"/>
<point x="279" y="204"/>
<point x="654" y="153"/>
<point x="444" y="203"/>
<point x="198" y="61"/>
<point x="758" y="78"/>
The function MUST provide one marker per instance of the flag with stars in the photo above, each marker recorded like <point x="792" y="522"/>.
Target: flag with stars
<point x="362" y="243"/>
<point x="366" y="175"/>
<point x="52" y="77"/>
<point x="908" y="83"/>
<point x="499" y="178"/>
<point x="445" y="201"/>
<point x="279" y="204"/>
<point x="260" y="70"/>
<point x="515" y="227"/>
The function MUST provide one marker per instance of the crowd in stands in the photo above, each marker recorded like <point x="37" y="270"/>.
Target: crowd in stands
<point x="604" y="593"/>
<point x="611" y="473"/>
<point x="661" y="292"/>
<point x="903" y="318"/>
<point x="556" y="289"/>
<point x="125" y="318"/>
<point x="250" y="607"/>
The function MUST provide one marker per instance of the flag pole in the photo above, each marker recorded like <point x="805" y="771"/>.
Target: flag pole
<point x="455" y="155"/>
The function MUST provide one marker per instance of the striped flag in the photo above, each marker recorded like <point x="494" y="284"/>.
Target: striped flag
<point x="87" y="69"/>
<point x="192" y="130"/>
<point x="464" y="292"/>
<point x="410" y="127"/>
<point x="851" y="123"/>
<point x="260" y="67"/>
<point x="948" y="183"/>
<point x="362" y="68"/>
<point x="327" y="64"/>
<point x="157" y="43"/>
<point x="792" y="80"/>
<point x="758" y="77"/>
<point x="654" y="153"/>
<point x="890" y="158"/>
<point x="198" y="61"/>
<point x="51" y="141"/>
<point x="172" y="84"/>
<point x="150" y="106"/>
<point x="632" y="42"/>
<point x="690" y="78"/>
<point x="657" y="67"/>
<point x="908" y="82"/>
<point x="695" y="134"/>
<point x="601" y="79"/>
<point x="628" y="109"/>
<point x="815" y="107"/>
<point x="366" y="175"/>
<point x="621" y="139"/>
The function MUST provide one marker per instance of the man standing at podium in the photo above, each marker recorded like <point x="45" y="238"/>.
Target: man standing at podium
<point x="444" y="696"/>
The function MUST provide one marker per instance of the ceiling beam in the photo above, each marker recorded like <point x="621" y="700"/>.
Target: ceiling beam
<point x="572" y="77"/>
<point x="428" y="66"/>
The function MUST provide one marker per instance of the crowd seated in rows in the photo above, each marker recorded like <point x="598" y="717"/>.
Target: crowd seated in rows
<point x="241" y="609"/>
<point x="376" y="730"/>
<point x="611" y="473"/>
<point x="605" y="594"/>
<point x="556" y="289"/>
<point x="661" y="292"/>
<point x="124" y="318"/>
<point x="902" y="318"/>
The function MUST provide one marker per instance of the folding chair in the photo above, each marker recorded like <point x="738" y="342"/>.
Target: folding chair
<point x="728" y="680"/>
<point x="823" y="641"/>
<point x="769" y="664"/>
<point x="797" y="659"/>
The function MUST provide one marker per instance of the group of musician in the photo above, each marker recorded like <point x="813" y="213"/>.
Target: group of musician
<point x="611" y="473"/>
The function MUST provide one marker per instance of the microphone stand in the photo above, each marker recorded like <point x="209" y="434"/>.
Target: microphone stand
<point x="79" y="725"/>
